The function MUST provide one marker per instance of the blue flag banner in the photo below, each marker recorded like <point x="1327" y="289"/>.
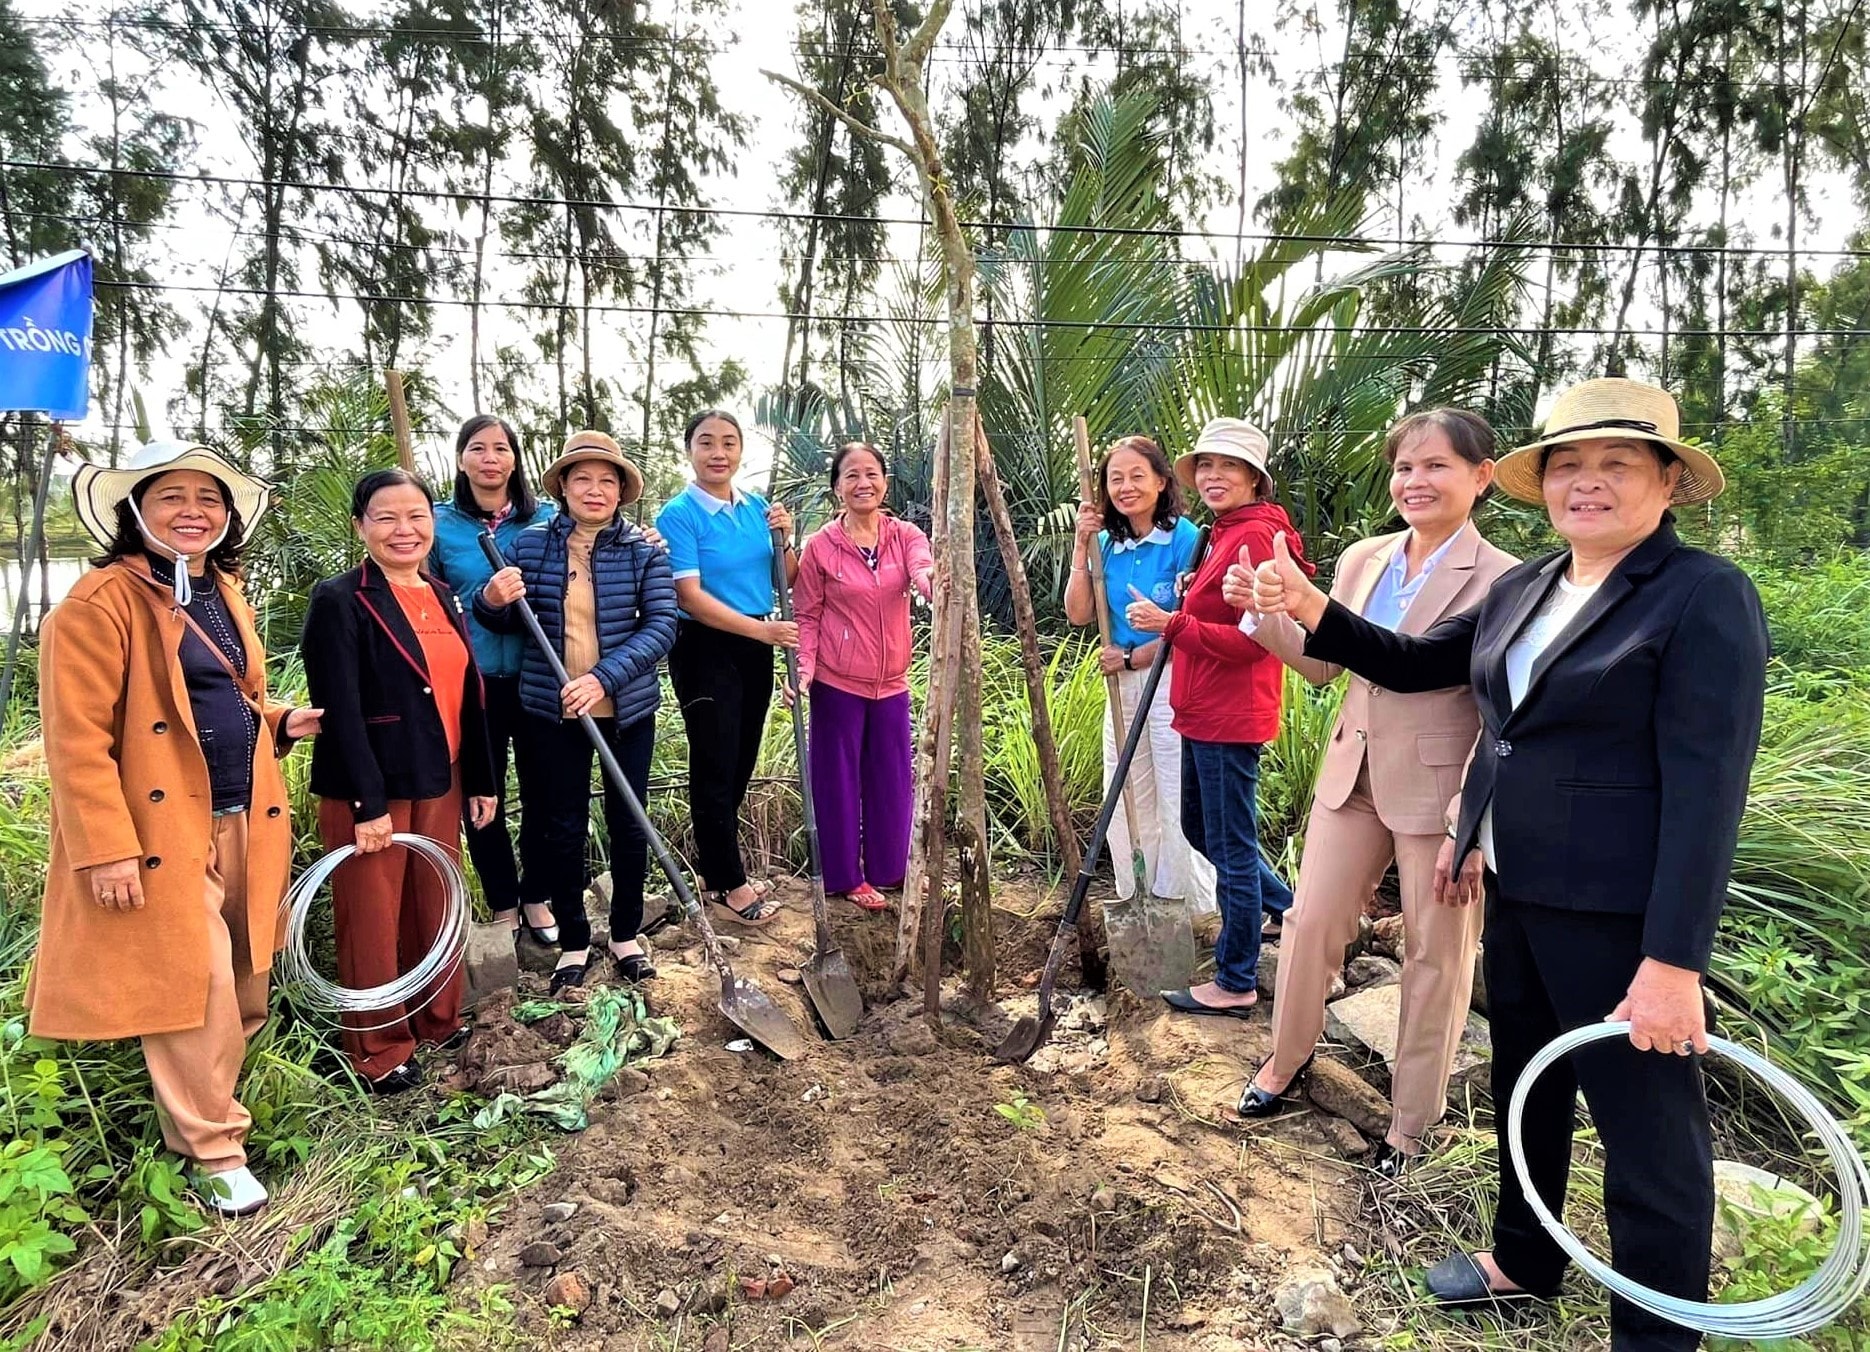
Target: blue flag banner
<point x="45" y="337"/>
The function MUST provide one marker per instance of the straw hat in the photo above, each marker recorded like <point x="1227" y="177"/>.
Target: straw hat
<point x="1238" y="440"/>
<point x="1612" y="407"/>
<point x="97" y="491"/>
<point x="589" y="445"/>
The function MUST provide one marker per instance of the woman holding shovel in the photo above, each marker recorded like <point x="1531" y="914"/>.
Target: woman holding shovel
<point x="1144" y="543"/>
<point x="852" y="607"/>
<point x="1226" y="696"/>
<point x="720" y="543"/>
<point x="604" y="596"/>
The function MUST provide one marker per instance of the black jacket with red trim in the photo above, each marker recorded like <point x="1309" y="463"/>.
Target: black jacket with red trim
<point x="382" y="738"/>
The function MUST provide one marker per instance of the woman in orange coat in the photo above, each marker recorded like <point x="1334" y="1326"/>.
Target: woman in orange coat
<point x="171" y="838"/>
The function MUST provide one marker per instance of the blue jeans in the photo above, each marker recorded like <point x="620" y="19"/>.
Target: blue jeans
<point x="1220" y="817"/>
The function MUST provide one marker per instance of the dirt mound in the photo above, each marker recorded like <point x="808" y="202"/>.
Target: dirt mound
<point x="900" y="1190"/>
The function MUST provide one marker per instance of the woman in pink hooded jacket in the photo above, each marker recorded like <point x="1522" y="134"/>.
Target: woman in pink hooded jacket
<point x="851" y="600"/>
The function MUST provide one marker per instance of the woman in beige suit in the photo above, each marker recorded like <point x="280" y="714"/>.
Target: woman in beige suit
<point x="1390" y="770"/>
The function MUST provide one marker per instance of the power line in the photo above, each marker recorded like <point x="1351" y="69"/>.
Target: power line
<point x="1474" y="70"/>
<point x="1073" y="325"/>
<point x="1004" y="227"/>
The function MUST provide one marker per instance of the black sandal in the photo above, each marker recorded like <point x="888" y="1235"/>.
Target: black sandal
<point x="1459" y="1280"/>
<point x="563" y="978"/>
<point x="764" y="910"/>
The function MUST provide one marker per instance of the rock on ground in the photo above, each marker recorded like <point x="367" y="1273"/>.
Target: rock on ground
<point x="1368" y="1019"/>
<point x="1342" y="1092"/>
<point x="1309" y="1303"/>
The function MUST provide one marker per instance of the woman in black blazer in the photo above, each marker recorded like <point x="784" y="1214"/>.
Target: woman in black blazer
<point x="1620" y="684"/>
<point x="386" y="645"/>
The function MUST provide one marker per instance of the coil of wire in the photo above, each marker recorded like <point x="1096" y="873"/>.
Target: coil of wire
<point x="1832" y="1290"/>
<point x="409" y="992"/>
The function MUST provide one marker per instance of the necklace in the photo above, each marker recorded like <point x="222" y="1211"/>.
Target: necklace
<point x="421" y="594"/>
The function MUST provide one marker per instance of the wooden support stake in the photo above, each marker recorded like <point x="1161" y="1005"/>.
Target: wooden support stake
<point x="399" y="420"/>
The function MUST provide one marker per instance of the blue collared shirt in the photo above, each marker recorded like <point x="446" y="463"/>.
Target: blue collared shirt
<point x="1151" y="565"/>
<point x="724" y="542"/>
<point x="1395" y="591"/>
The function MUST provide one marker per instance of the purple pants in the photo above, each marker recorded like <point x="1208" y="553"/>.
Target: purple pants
<point x="860" y="768"/>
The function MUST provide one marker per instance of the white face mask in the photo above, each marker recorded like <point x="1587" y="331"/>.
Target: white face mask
<point x="184" y="590"/>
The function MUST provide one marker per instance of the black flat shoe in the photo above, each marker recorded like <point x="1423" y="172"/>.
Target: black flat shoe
<point x="405" y="1077"/>
<point x="546" y="936"/>
<point x="1459" y="1280"/>
<point x="1257" y="1102"/>
<point x="633" y="967"/>
<point x="572" y="974"/>
<point x="1389" y="1162"/>
<point x="1184" y="1003"/>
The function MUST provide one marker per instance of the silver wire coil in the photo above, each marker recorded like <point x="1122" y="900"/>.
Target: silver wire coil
<point x="1825" y="1296"/>
<point x="415" y="988"/>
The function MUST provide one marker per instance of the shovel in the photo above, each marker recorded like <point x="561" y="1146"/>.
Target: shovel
<point x="1031" y="1032"/>
<point x="1152" y="942"/>
<point x="746" y="1006"/>
<point x="827" y="977"/>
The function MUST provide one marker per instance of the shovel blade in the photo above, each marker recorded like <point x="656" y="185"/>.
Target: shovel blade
<point x="835" y="997"/>
<point x="754" y="1013"/>
<point x="1028" y="1035"/>
<point x="1152" y="944"/>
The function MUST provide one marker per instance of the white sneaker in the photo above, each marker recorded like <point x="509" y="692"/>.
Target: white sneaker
<point x="234" y="1193"/>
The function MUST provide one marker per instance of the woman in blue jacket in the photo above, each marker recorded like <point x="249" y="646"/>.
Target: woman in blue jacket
<point x="491" y="494"/>
<point x="605" y="597"/>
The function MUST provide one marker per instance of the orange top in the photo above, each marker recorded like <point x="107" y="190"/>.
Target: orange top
<point x="443" y="653"/>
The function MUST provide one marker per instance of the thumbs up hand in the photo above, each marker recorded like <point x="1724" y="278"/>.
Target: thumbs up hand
<point x="1280" y="587"/>
<point x="1237" y="582"/>
<point x="1144" y="614"/>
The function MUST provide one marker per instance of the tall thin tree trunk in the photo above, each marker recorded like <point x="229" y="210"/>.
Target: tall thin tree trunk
<point x="1032" y="663"/>
<point x="977" y="941"/>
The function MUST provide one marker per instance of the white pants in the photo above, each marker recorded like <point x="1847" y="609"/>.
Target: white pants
<point x="1155" y="783"/>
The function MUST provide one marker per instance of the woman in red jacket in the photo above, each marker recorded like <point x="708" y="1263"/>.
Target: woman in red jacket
<point x="852" y="604"/>
<point x="1225" y="694"/>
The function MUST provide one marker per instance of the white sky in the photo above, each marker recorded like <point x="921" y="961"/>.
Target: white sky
<point x="745" y="269"/>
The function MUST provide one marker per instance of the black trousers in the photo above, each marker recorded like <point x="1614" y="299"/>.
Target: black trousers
<point x="724" y="683"/>
<point x="555" y="760"/>
<point x="489" y="846"/>
<point x="1548" y="971"/>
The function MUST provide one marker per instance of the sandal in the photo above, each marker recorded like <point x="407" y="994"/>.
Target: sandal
<point x="867" y="898"/>
<point x="764" y="910"/>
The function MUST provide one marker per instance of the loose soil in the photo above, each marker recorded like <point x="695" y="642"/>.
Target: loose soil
<point x="876" y="1185"/>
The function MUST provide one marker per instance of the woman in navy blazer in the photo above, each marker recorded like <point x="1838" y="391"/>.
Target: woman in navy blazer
<point x="1620" y="683"/>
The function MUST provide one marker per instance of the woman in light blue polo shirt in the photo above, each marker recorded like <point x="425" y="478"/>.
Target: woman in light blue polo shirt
<point x="1146" y="543"/>
<point x="721" y="549"/>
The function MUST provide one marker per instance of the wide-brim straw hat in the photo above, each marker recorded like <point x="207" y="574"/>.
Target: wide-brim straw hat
<point x="1612" y="408"/>
<point x="588" y="445"/>
<point x="97" y="491"/>
<point x="1238" y="440"/>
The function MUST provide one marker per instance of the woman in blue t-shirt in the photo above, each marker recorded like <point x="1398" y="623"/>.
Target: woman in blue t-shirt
<point x="720" y="545"/>
<point x="1146" y="543"/>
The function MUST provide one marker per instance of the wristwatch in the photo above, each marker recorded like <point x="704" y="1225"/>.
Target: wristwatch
<point x="1129" y="652"/>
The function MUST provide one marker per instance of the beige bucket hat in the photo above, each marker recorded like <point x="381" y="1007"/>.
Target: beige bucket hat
<point x="1235" y="438"/>
<point x="1612" y="407"/>
<point x="590" y="445"/>
<point x="97" y="491"/>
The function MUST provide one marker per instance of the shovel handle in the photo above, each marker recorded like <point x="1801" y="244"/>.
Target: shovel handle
<point x="614" y="773"/>
<point x="782" y="592"/>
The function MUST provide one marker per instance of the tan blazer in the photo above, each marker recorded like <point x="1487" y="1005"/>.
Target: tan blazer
<point x="1416" y="745"/>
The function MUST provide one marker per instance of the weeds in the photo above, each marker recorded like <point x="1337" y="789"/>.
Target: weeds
<point x="1022" y="1112"/>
